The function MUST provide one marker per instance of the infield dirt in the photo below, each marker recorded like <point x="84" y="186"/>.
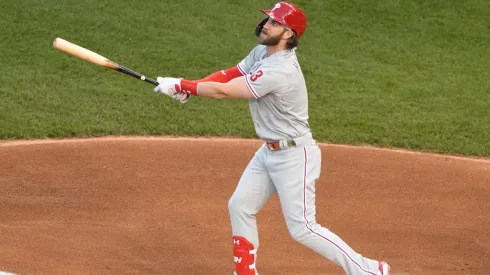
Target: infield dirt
<point x="131" y="205"/>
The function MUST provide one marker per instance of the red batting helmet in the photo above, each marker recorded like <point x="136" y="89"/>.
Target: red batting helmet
<point x="288" y="15"/>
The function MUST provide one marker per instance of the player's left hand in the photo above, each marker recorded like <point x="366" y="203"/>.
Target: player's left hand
<point x="171" y="87"/>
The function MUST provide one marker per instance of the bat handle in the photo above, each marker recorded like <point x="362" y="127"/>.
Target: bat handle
<point x="152" y="81"/>
<point x="140" y="76"/>
<point x="132" y="73"/>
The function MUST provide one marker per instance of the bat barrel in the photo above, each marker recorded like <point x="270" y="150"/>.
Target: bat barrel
<point x="95" y="58"/>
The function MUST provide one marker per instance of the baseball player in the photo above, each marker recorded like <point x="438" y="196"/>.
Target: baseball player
<point x="289" y="161"/>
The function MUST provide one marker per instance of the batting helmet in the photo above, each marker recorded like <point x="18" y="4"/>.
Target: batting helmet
<point x="288" y="15"/>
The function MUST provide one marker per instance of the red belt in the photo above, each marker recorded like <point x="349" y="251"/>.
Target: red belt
<point x="276" y="145"/>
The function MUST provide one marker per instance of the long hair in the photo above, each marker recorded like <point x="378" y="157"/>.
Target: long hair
<point x="292" y="41"/>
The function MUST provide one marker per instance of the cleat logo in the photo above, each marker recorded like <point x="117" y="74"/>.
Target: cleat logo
<point x="237" y="259"/>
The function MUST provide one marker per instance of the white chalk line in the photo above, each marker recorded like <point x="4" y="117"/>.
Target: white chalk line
<point x="10" y="143"/>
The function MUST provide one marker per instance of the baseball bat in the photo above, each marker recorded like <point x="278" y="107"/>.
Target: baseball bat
<point x="95" y="58"/>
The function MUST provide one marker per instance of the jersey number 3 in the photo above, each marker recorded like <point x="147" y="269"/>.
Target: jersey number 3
<point x="258" y="74"/>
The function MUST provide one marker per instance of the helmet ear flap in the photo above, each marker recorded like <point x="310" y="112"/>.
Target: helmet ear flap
<point x="259" y="27"/>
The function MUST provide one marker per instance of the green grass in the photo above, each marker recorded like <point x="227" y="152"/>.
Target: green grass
<point x="413" y="74"/>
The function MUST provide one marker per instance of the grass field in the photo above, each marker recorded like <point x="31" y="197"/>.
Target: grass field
<point x="412" y="74"/>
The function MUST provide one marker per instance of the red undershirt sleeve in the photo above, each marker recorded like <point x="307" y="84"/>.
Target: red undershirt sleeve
<point x="222" y="76"/>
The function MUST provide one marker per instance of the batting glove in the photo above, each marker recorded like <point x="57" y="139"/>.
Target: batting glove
<point x="171" y="87"/>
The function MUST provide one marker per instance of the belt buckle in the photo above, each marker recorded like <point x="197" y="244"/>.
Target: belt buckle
<point x="273" y="146"/>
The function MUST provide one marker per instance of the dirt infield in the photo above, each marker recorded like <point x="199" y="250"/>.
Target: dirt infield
<point x="159" y="206"/>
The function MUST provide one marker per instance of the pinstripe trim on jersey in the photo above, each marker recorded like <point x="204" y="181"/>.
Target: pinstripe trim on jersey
<point x="305" y="171"/>
<point x="240" y="69"/>
<point x="252" y="90"/>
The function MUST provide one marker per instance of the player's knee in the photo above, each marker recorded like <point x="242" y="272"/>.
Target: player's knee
<point x="299" y="234"/>
<point x="237" y="205"/>
<point x="302" y="233"/>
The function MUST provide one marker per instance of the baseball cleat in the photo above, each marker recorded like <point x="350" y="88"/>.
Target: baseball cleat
<point x="384" y="268"/>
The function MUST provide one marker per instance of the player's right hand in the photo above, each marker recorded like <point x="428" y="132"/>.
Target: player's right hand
<point x="167" y="85"/>
<point x="182" y="97"/>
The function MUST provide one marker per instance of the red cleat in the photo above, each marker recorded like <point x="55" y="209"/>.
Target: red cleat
<point x="384" y="268"/>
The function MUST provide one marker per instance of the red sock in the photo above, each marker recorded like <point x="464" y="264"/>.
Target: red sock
<point x="244" y="256"/>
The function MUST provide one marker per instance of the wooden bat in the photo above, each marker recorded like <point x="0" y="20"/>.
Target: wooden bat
<point x="92" y="57"/>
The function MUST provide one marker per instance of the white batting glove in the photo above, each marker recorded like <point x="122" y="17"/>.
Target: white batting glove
<point x="182" y="97"/>
<point x="167" y="85"/>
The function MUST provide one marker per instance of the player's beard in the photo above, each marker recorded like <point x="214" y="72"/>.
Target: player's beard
<point x="271" y="40"/>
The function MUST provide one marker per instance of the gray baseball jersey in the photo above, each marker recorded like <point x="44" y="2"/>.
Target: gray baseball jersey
<point x="279" y="108"/>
